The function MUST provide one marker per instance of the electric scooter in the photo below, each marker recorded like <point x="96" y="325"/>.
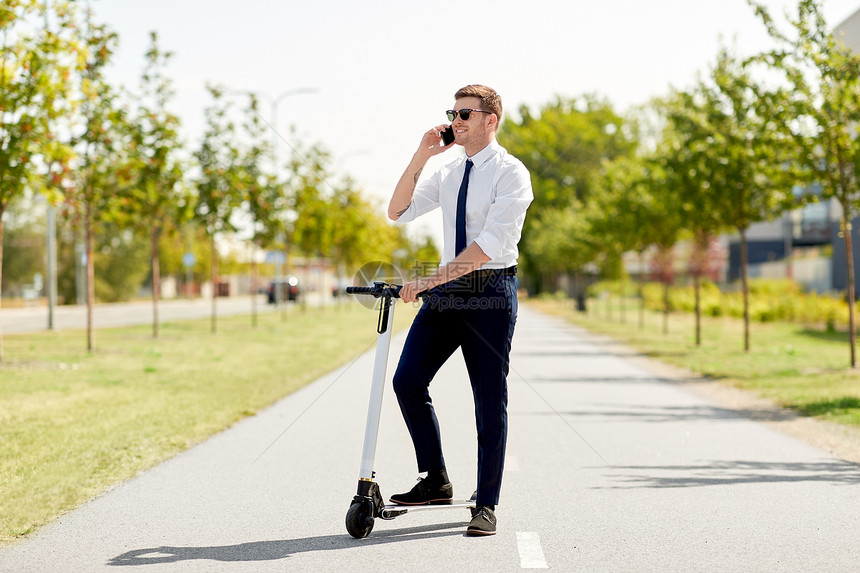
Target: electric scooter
<point x="368" y="503"/>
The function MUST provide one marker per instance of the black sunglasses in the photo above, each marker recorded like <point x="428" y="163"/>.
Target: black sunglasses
<point x="465" y="114"/>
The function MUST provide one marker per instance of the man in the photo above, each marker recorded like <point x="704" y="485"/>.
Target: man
<point x="471" y="300"/>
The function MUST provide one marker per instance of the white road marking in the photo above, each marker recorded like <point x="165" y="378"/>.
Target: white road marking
<point x="531" y="553"/>
<point x="512" y="464"/>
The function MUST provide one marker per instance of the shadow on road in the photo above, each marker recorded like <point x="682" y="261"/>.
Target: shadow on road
<point x="280" y="549"/>
<point x="621" y="379"/>
<point x="612" y="413"/>
<point x="565" y="353"/>
<point x="734" y="472"/>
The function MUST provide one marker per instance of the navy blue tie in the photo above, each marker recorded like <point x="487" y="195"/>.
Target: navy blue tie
<point x="460" y="242"/>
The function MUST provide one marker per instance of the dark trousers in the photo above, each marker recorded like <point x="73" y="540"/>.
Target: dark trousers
<point x="476" y="314"/>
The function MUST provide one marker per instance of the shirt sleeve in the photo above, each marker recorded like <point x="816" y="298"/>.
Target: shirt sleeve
<point x="504" y="223"/>
<point x="425" y="198"/>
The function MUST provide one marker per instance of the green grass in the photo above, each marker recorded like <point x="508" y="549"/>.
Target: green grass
<point x="797" y="367"/>
<point x="73" y="424"/>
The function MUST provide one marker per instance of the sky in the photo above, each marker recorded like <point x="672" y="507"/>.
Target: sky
<point x="383" y="72"/>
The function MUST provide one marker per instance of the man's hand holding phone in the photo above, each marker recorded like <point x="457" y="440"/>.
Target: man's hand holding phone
<point x="436" y="140"/>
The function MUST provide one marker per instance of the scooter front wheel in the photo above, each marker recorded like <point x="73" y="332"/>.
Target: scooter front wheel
<point x="359" y="519"/>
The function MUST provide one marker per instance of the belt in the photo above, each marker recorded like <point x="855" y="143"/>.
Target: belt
<point x="508" y="272"/>
<point x="479" y="279"/>
<point x="476" y="281"/>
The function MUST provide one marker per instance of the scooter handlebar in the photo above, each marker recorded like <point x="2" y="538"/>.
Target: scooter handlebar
<point x="379" y="290"/>
<point x="360" y="290"/>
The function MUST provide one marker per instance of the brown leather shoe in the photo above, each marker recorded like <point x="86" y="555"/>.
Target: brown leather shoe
<point x="483" y="521"/>
<point x="425" y="493"/>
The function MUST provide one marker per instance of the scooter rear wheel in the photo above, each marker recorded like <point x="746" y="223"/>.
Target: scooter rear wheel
<point x="359" y="519"/>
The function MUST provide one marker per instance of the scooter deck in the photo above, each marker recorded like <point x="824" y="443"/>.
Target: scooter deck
<point x="393" y="510"/>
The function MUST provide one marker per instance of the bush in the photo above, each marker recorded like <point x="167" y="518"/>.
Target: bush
<point x="770" y="300"/>
<point x="557" y="295"/>
<point x="615" y="288"/>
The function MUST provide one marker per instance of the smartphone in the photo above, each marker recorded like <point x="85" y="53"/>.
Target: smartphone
<point x="448" y="136"/>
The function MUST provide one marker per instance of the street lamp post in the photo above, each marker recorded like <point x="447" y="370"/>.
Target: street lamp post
<point x="51" y="254"/>
<point x="276" y="101"/>
<point x="273" y="117"/>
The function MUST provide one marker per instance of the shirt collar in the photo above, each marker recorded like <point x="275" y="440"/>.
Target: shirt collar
<point x="483" y="155"/>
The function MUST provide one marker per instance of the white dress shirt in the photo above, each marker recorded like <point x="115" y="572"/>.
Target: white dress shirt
<point x="500" y="191"/>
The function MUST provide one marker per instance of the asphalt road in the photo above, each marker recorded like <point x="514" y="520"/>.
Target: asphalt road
<point x="610" y="468"/>
<point x="35" y="318"/>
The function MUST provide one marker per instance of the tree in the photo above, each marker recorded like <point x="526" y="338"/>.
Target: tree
<point x="754" y="169"/>
<point x="153" y="199"/>
<point x="120" y="261"/>
<point x="262" y="196"/>
<point x="562" y="240"/>
<point x="335" y="219"/>
<point x="662" y="214"/>
<point x="564" y="147"/>
<point x="740" y="155"/>
<point x="179" y="238"/>
<point x="24" y="246"/>
<point x="312" y="229"/>
<point x="686" y="153"/>
<point x="217" y="194"/>
<point x="820" y="111"/>
<point x="104" y="172"/>
<point x="34" y="65"/>
<point x="361" y="233"/>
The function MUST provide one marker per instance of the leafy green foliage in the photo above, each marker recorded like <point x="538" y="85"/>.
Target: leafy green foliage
<point x="263" y="197"/>
<point x="153" y="194"/>
<point x="562" y="239"/>
<point x="120" y="267"/>
<point x="312" y="230"/>
<point x="564" y="147"/>
<point x="34" y="66"/>
<point x="24" y="251"/>
<point x="334" y="219"/>
<point x="770" y="300"/>
<point x="723" y="160"/>
<point x="153" y="197"/>
<point x="105" y="169"/>
<point x="818" y="111"/>
<point x="218" y="191"/>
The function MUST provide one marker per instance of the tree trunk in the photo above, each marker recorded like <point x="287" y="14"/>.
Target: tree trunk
<point x="581" y="294"/>
<point x="214" y="286"/>
<point x="609" y="303"/>
<point x="156" y="279"/>
<point x="622" y="296"/>
<point x="849" y="263"/>
<point x="641" y="290"/>
<point x="287" y="274"/>
<point x="254" y="272"/>
<point x="697" y="286"/>
<point x="2" y="210"/>
<point x="745" y="287"/>
<point x="91" y="276"/>
<point x="665" y="307"/>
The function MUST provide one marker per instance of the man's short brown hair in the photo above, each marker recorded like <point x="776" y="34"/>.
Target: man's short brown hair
<point x="490" y="100"/>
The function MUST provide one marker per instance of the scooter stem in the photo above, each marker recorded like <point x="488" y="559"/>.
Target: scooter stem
<point x="377" y="387"/>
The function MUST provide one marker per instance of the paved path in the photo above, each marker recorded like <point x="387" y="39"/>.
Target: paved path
<point x="35" y="318"/>
<point x="610" y="468"/>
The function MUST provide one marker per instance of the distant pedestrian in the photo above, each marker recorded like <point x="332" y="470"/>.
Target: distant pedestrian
<point x="472" y="298"/>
